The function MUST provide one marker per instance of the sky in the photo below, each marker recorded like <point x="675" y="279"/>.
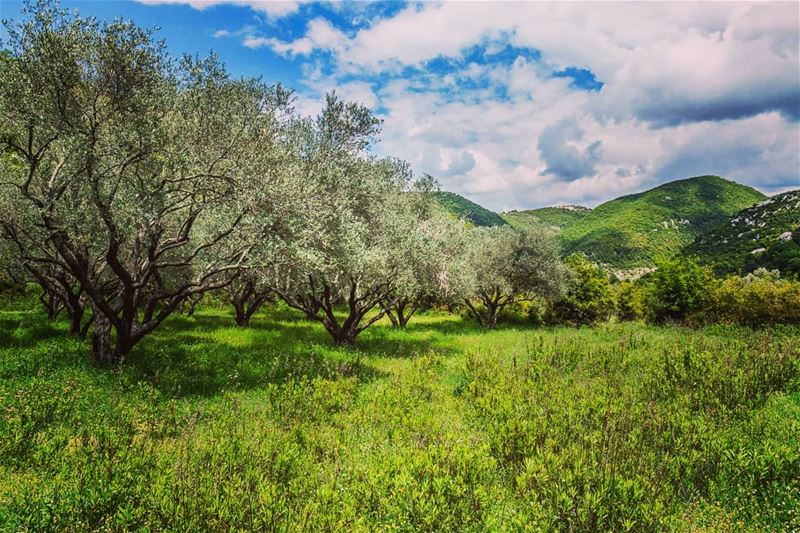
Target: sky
<point x="521" y="105"/>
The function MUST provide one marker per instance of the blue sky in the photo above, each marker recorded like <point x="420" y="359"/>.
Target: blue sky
<point x="520" y="105"/>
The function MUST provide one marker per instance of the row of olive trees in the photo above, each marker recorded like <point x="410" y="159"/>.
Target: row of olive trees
<point x="131" y="184"/>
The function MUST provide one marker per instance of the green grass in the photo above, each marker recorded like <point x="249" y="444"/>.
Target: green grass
<point x="438" y="427"/>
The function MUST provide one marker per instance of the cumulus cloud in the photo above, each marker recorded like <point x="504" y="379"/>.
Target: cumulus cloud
<point x="477" y="95"/>
<point x="706" y="77"/>
<point x="761" y="150"/>
<point x="560" y="147"/>
<point x="320" y="34"/>
<point x="446" y="162"/>
<point x="663" y="63"/>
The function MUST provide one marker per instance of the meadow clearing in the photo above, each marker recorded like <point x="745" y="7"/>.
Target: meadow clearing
<point x="440" y="426"/>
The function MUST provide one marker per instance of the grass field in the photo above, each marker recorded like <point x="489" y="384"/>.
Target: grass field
<point x="439" y="427"/>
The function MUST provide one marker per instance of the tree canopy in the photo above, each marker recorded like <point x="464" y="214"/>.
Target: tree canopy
<point x="134" y="167"/>
<point x="134" y="182"/>
<point x="509" y="266"/>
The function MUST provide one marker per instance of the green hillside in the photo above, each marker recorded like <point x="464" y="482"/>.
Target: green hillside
<point x="764" y="235"/>
<point x="463" y="208"/>
<point x="555" y="218"/>
<point x="639" y="229"/>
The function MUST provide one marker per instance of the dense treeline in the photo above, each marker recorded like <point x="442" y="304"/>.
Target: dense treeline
<point x="134" y="183"/>
<point x="679" y="291"/>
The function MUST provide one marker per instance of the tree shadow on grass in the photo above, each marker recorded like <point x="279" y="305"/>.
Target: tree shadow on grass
<point x="445" y="324"/>
<point x="208" y="369"/>
<point x="385" y="341"/>
<point x="26" y="330"/>
<point x="206" y="354"/>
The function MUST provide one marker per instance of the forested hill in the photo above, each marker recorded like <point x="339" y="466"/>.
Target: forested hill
<point x="554" y="218"/>
<point x="639" y="229"/>
<point x="468" y="210"/>
<point x="764" y="235"/>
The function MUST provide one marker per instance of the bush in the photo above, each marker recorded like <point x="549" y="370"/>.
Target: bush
<point x="589" y="298"/>
<point x="678" y="291"/>
<point x="629" y="301"/>
<point x="536" y="311"/>
<point x="758" y="299"/>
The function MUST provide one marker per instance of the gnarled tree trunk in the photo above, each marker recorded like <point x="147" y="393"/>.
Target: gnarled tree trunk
<point x="494" y="302"/>
<point x="319" y="304"/>
<point x="246" y="300"/>
<point x="344" y="336"/>
<point x="76" y="309"/>
<point x="101" y="339"/>
<point x="401" y="312"/>
<point x="52" y="304"/>
<point x="189" y="306"/>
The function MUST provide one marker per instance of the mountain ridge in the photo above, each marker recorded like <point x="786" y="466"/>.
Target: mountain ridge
<point x="465" y="208"/>
<point x="554" y="217"/>
<point x="635" y="230"/>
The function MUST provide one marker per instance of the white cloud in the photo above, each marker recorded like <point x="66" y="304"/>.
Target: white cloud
<point x="760" y="150"/>
<point x="273" y="8"/>
<point x="320" y="34"/>
<point x="568" y="157"/>
<point x="705" y="77"/>
<point x="508" y="170"/>
<point x="689" y="88"/>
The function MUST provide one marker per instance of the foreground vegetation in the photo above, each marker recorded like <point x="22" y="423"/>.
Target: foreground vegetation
<point x="438" y="426"/>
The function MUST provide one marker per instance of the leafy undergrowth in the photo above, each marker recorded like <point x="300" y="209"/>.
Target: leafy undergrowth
<point x="439" y="427"/>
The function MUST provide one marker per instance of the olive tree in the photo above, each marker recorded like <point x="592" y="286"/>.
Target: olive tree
<point x="344" y="256"/>
<point x="32" y="257"/>
<point x="432" y="259"/>
<point x="135" y="165"/>
<point x="509" y="266"/>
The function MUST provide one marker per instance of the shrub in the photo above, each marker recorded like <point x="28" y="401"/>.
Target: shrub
<point x="758" y="299"/>
<point x="678" y="291"/>
<point x="535" y="311"/>
<point x="589" y="298"/>
<point x="629" y="301"/>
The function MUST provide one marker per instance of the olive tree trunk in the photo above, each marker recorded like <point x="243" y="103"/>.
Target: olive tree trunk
<point x="318" y="305"/>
